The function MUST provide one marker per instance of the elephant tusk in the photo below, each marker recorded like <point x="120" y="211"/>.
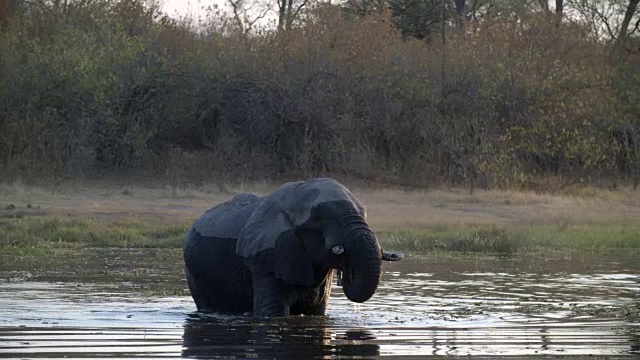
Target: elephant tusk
<point x="391" y="256"/>
<point x="338" y="250"/>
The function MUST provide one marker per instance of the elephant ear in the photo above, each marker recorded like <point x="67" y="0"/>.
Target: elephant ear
<point x="269" y="243"/>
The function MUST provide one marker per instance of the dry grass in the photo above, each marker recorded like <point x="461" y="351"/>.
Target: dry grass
<point x="393" y="208"/>
<point x="388" y="208"/>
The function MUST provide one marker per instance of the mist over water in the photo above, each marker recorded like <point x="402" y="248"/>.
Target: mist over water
<point x="487" y="306"/>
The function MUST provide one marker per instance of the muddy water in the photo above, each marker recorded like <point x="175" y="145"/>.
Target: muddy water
<point x="122" y="304"/>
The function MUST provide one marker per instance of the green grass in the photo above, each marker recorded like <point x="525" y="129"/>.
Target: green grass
<point x="87" y="231"/>
<point x="483" y="240"/>
<point x="583" y="238"/>
<point x="517" y="239"/>
<point x="79" y="232"/>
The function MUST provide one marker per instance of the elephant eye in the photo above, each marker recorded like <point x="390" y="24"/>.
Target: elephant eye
<point x="338" y="250"/>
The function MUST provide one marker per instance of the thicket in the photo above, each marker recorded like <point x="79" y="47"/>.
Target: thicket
<point x="117" y="88"/>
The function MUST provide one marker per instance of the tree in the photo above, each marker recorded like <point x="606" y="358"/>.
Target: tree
<point x="608" y="20"/>
<point x="246" y="13"/>
<point x="628" y="15"/>
<point x="421" y="19"/>
<point x="288" y="11"/>
<point x="7" y="11"/>
<point x="460" y="12"/>
<point x="559" y="11"/>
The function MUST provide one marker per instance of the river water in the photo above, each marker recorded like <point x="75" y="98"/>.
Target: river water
<point x="123" y="304"/>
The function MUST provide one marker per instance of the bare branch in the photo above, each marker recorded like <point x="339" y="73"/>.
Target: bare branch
<point x="246" y="15"/>
<point x="604" y="18"/>
<point x="303" y="4"/>
<point x="259" y="17"/>
<point x="236" y="5"/>
<point x="635" y="27"/>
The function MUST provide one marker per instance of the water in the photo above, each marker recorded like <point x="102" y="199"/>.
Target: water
<point x="115" y="308"/>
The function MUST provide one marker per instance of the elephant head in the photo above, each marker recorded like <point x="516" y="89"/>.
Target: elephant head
<point x="306" y="228"/>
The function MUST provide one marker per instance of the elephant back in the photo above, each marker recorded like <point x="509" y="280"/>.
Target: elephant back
<point x="227" y="219"/>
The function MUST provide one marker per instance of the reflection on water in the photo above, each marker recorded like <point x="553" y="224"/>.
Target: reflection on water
<point x="475" y="307"/>
<point x="304" y="338"/>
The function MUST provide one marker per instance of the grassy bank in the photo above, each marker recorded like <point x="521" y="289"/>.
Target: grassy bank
<point x="81" y="232"/>
<point x="519" y="239"/>
<point x="57" y="231"/>
<point x="589" y="221"/>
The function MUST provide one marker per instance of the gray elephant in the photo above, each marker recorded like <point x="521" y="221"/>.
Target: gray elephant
<point x="275" y="255"/>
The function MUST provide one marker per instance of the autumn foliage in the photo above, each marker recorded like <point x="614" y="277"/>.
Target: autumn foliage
<point x="118" y="88"/>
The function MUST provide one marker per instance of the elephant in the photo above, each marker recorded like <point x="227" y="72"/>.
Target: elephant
<point x="275" y="255"/>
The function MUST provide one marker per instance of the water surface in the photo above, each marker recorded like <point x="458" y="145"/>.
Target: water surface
<point x="122" y="304"/>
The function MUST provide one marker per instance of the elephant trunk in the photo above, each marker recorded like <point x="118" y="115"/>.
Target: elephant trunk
<point x="361" y="271"/>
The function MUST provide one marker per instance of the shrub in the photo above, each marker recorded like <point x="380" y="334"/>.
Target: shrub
<point x="116" y="88"/>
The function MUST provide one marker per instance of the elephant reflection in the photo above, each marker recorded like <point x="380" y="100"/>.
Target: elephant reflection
<point x="634" y="340"/>
<point x="300" y="338"/>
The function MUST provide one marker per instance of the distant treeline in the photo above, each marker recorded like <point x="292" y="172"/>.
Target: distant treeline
<point x="117" y="88"/>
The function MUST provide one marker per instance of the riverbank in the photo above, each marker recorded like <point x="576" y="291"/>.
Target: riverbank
<point x="414" y="221"/>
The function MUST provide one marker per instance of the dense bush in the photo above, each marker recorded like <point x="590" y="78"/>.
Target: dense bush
<point x="117" y="88"/>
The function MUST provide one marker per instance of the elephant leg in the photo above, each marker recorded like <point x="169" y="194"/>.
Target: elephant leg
<point x="316" y="300"/>
<point x="316" y="308"/>
<point x="271" y="296"/>
<point x="197" y="295"/>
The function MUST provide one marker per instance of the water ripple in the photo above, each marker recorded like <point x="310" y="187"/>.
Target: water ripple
<point x="447" y="310"/>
